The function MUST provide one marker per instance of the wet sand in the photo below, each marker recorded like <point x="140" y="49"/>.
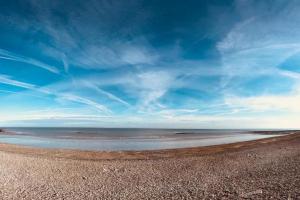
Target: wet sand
<point x="262" y="169"/>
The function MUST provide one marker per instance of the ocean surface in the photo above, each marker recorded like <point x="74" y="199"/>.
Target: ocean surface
<point x="117" y="139"/>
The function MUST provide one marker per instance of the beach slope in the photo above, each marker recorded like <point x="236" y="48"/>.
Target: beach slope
<point x="263" y="169"/>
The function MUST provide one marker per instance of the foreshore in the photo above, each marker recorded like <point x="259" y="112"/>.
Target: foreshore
<point x="261" y="169"/>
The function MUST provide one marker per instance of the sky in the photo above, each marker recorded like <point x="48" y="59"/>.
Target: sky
<point x="150" y="64"/>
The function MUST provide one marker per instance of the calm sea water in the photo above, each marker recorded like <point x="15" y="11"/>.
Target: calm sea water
<point x="114" y="139"/>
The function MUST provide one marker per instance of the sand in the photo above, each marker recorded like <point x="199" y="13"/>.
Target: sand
<point x="263" y="169"/>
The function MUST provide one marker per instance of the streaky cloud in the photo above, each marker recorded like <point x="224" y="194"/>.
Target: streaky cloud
<point x="4" y="54"/>
<point x="86" y="101"/>
<point x="191" y="65"/>
<point x="75" y="98"/>
<point x="8" y="81"/>
<point x="107" y="94"/>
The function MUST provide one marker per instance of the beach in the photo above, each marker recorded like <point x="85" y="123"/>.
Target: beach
<point x="261" y="169"/>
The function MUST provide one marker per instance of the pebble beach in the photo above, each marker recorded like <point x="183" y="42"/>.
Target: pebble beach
<point x="263" y="169"/>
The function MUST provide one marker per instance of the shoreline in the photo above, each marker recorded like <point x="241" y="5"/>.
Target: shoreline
<point x="259" y="169"/>
<point x="146" y="154"/>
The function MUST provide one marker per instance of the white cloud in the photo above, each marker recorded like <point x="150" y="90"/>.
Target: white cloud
<point x="134" y="56"/>
<point x="286" y="103"/>
<point x="92" y="85"/>
<point x="7" y="80"/>
<point x="259" y="44"/>
<point x="18" y="58"/>
<point x="110" y="95"/>
<point x="67" y="96"/>
<point x="153" y="85"/>
<point x="97" y="57"/>
<point x="92" y="47"/>
<point x="65" y="62"/>
<point x="86" y="101"/>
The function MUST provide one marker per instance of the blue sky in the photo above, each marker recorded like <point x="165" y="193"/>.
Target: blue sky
<point x="171" y="64"/>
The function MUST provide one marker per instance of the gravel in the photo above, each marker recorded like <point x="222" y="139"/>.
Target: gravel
<point x="264" y="171"/>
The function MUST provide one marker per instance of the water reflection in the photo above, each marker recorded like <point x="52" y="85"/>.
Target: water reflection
<point x="122" y="143"/>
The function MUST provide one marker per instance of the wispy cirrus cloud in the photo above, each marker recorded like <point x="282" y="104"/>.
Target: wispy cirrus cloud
<point x="144" y="62"/>
<point x="7" y="80"/>
<point x="86" y="48"/>
<point x="260" y="44"/>
<point x="7" y="55"/>
<point x="86" y="101"/>
<point x="65" y="96"/>
<point x="107" y="94"/>
<point x="151" y="90"/>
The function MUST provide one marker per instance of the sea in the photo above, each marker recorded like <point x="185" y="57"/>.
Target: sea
<point x="124" y="139"/>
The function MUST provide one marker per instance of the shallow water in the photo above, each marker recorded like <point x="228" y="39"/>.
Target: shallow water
<point x="123" y="139"/>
